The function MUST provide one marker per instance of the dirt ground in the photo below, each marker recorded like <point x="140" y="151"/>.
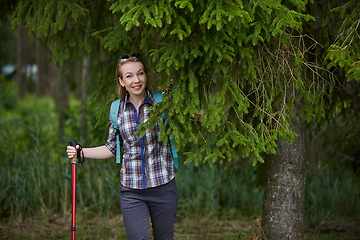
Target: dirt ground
<point x="53" y="226"/>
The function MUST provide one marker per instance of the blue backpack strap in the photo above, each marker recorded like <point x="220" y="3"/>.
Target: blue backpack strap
<point x="114" y="111"/>
<point x="174" y="152"/>
<point x="158" y="98"/>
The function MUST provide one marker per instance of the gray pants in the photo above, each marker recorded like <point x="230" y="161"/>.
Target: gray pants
<point x="160" y="202"/>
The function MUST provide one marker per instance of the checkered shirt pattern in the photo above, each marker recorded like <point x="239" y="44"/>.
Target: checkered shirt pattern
<point x="146" y="162"/>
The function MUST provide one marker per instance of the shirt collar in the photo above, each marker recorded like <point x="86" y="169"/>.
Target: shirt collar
<point x="148" y="99"/>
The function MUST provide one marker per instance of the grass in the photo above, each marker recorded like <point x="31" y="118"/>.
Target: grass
<point x="332" y="194"/>
<point x="54" y="226"/>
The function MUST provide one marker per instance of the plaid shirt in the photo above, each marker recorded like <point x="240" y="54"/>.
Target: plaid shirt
<point x="147" y="162"/>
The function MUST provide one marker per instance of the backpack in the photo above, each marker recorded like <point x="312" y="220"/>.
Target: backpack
<point x="114" y="110"/>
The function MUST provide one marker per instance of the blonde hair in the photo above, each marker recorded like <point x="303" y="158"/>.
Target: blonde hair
<point x="121" y="91"/>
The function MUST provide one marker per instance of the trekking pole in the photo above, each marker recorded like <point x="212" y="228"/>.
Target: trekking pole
<point x="73" y="178"/>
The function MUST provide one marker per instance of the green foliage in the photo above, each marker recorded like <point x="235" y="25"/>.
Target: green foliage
<point x="66" y="26"/>
<point x="238" y="62"/>
<point x="21" y="127"/>
<point x="36" y="173"/>
<point x="8" y="45"/>
<point x="8" y="97"/>
<point x="228" y="60"/>
<point x="345" y="52"/>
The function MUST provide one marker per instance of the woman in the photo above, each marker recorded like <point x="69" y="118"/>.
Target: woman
<point x="147" y="177"/>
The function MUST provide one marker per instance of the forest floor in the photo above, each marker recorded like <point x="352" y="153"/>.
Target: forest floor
<point x="58" y="227"/>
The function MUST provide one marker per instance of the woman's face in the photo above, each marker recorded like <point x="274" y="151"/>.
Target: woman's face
<point x="133" y="78"/>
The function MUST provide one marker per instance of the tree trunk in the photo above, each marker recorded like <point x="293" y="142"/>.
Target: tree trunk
<point x="283" y="206"/>
<point x="20" y="61"/>
<point x="41" y="56"/>
<point x="52" y="76"/>
<point x="84" y="77"/>
<point x="62" y="103"/>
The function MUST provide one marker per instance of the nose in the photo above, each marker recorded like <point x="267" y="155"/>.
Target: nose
<point x="137" y="79"/>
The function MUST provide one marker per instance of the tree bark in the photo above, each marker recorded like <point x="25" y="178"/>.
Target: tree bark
<point x="41" y="56"/>
<point x="20" y="61"/>
<point x="84" y="77"/>
<point x="52" y="76"/>
<point x="283" y="204"/>
<point x="62" y="103"/>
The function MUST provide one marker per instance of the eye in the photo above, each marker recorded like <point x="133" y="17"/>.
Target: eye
<point x="128" y="76"/>
<point x="141" y="73"/>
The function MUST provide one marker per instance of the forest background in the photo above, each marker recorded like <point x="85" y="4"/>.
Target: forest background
<point x="60" y="95"/>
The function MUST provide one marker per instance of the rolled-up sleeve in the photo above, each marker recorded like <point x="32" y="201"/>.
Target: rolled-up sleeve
<point x="111" y="139"/>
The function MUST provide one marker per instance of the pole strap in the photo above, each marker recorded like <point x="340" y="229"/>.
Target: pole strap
<point x="81" y="159"/>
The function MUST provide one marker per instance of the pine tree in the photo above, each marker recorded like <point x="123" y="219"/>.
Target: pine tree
<point x="345" y="51"/>
<point x="240" y="62"/>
